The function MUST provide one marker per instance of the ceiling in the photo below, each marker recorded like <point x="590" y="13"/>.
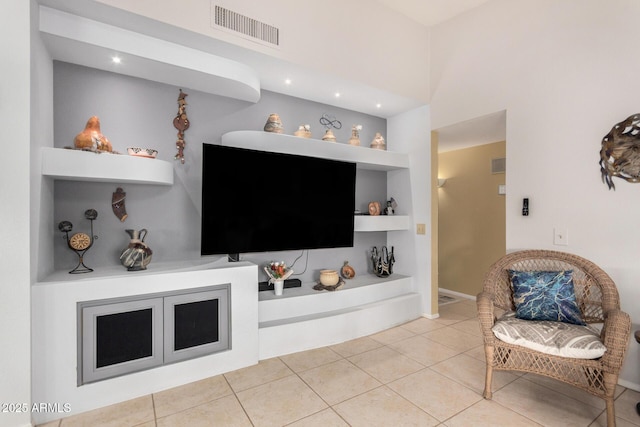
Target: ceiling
<point x="431" y="12"/>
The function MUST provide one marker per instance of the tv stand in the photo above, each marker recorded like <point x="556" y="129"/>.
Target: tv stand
<point x="288" y="283"/>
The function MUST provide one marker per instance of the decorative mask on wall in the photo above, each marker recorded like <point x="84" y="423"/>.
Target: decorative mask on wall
<point x="181" y="122"/>
<point x="620" y="153"/>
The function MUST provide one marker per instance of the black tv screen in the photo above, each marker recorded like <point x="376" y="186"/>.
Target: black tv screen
<point x="259" y="201"/>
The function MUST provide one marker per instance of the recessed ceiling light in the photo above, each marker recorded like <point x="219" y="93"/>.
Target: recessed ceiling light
<point x="378" y="105"/>
<point x="116" y="59"/>
<point x="287" y="81"/>
<point x="337" y="94"/>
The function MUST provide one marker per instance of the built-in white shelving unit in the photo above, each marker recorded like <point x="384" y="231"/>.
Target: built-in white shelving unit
<point x="78" y="165"/>
<point x="381" y="222"/>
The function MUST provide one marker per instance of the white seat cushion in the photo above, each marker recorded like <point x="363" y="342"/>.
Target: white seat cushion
<point x="557" y="338"/>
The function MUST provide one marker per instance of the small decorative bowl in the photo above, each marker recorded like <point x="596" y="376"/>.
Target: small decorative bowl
<point x="142" y="152"/>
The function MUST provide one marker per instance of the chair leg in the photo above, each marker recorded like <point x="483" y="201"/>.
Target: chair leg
<point x="488" y="354"/>
<point x="611" y="413"/>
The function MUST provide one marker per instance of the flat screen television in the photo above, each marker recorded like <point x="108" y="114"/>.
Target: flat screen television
<point x="260" y="201"/>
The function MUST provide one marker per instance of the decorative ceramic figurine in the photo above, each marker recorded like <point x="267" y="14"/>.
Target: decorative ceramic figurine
<point x="181" y="122"/>
<point x="273" y="124"/>
<point x="347" y="271"/>
<point x="91" y="138"/>
<point x="355" y="135"/>
<point x="117" y="204"/>
<point x="304" y="131"/>
<point x="374" y="208"/>
<point x="329" y="136"/>
<point x="137" y="255"/>
<point x="378" y="142"/>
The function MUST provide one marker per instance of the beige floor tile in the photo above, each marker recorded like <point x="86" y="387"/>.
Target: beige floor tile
<point x="566" y="389"/>
<point x="476" y="353"/>
<point x="386" y="364"/>
<point x="338" y="381"/>
<point x="545" y="406"/>
<point x="383" y="407"/>
<point x="392" y="335"/>
<point x="129" y="413"/>
<point x="357" y="346"/>
<point x="280" y="402"/>
<point x="470" y="373"/>
<point x="265" y="371"/>
<point x="422" y="325"/>
<point x="436" y="394"/>
<point x="423" y="350"/>
<point x="306" y="360"/>
<point x="601" y="421"/>
<point x="190" y="395"/>
<point x="471" y="326"/>
<point x="465" y="308"/>
<point x="626" y="406"/>
<point x="326" y="418"/>
<point x="454" y="338"/>
<point x="489" y="413"/>
<point x="225" y="411"/>
<point x="55" y="423"/>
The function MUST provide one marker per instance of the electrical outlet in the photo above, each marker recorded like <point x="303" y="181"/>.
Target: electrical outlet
<point x="561" y="236"/>
<point x="421" y="229"/>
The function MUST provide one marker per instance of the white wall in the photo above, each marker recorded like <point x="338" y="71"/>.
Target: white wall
<point x="359" y="40"/>
<point x="565" y="73"/>
<point x="14" y="211"/>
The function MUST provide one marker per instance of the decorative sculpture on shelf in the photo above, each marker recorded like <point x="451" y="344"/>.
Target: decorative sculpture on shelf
<point x="91" y="138"/>
<point x="620" y="152"/>
<point x="181" y="122"/>
<point x="382" y="261"/>
<point x="355" y="135"/>
<point x="329" y="122"/>
<point x="117" y="204"/>
<point x="378" y="142"/>
<point x="274" y="124"/>
<point x="80" y="243"/>
<point x="304" y="131"/>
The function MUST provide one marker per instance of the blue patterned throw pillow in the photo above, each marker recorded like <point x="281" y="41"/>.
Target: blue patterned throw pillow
<point x="545" y="295"/>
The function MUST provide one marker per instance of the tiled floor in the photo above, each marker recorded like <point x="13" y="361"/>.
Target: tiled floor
<point x="423" y="373"/>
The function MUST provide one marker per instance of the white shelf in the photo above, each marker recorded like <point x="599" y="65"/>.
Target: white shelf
<point x="364" y="157"/>
<point x="381" y="222"/>
<point x="78" y="165"/>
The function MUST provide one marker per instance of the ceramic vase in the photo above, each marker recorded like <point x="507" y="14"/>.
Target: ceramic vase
<point x="329" y="136"/>
<point x="273" y="124"/>
<point x="278" y="286"/>
<point x="329" y="277"/>
<point x="137" y="255"/>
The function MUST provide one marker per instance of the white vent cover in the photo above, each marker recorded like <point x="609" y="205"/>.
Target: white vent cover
<point x="243" y="25"/>
<point x="499" y="165"/>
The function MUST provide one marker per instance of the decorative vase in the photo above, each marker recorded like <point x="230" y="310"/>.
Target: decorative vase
<point x="273" y="124"/>
<point x="378" y="142"/>
<point x="355" y="135"/>
<point x="347" y="271"/>
<point x="137" y="255"/>
<point x="329" y="277"/>
<point x="91" y="138"/>
<point x="329" y="136"/>
<point x="278" y="286"/>
<point x="304" y="131"/>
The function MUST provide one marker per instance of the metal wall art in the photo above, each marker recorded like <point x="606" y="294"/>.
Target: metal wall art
<point x="181" y="122"/>
<point x="620" y="153"/>
<point x="80" y="243"/>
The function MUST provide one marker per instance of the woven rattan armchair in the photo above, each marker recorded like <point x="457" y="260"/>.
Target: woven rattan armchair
<point x="598" y="300"/>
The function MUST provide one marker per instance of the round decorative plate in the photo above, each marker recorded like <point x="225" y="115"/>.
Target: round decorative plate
<point x="80" y="241"/>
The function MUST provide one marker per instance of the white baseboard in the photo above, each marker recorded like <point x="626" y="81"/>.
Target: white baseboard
<point x="457" y="294"/>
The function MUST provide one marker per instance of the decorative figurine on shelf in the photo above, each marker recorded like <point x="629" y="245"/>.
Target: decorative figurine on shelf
<point x="382" y="261"/>
<point x="181" y="122"/>
<point x="619" y="152"/>
<point x="374" y="208"/>
<point x="117" y="204"/>
<point x="91" y="138"/>
<point x="347" y="271"/>
<point x="329" y="136"/>
<point x="304" y="131"/>
<point x="79" y="242"/>
<point x="378" y="142"/>
<point x="355" y="135"/>
<point x="329" y="281"/>
<point x="274" y="124"/>
<point x="391" y="206"/>
<point x="137" y="255"/>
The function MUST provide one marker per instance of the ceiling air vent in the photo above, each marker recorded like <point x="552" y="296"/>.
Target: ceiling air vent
<point x="249" y="27"/>
<point x="499" y="165"/>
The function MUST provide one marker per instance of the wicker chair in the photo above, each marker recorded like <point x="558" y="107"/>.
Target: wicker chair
<point x="598" y="300"/>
